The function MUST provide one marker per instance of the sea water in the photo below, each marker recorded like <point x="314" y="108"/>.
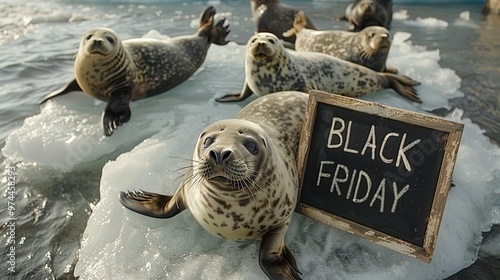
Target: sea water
<point x="67" y="174"/>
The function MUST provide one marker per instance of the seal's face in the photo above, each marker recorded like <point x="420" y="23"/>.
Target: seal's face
<point x="376" y="39"/>
<point x="99" y="41"/>
<point x="229" y="155"/>
<point x="264" y="46"/>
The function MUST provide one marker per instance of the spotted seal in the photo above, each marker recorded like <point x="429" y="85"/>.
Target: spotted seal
<point x="368" y="47"/>
<point x="275" y="17"/>
<point x="243" y="182"/>
<point x="363" y="13"/>
<point x="269" y="67"/>
<point x="122" y="71"/>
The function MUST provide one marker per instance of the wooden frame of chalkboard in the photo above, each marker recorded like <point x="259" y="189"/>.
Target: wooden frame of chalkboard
<point x="378" y="172"/>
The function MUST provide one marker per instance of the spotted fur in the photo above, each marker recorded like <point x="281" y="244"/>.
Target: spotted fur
<point x="269" y="68"/>
<point x="368" y="47"/>
<point x="275" y="17"/>
<point x="122" y="71"/>
<point x="243" y="183"/>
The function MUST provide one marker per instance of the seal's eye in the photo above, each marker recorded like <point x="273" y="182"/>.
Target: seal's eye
<point x="254" y="39"/>
<point x="110" y="39"/>
<point x="252" y="147"/>
<point x="371" y="35"/>
<point x="88" y="37"/>
<point x="208" y="141"/>
<point x="272" y="41"/>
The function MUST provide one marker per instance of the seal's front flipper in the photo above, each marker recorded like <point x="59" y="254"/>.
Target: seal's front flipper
<point x="275" y="259"/>
<point x="72" y="86"/>
<point x="152" y="204"/>
<point x="245" y="93"/>
<point x="117" y="112"/>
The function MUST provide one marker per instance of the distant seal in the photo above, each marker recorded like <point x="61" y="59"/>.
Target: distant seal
<point x="363" y="13"/>
<point x="275" y="17"/>
<point x="243" y="182"/>
<point x="491" y="7"/>
<point x="119" y="72"/>
<point x="368" y="47"/>
<point x="269" y="67"/>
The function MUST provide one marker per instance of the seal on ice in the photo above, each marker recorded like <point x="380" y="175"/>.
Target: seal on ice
<point x="269" y="67"/>
<point x="243" y="180"/>
<point x="122" y="71"/>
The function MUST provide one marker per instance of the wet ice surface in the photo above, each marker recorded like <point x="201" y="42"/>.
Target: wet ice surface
<point x="159" y="139"/>
<point x="179" y="247"/>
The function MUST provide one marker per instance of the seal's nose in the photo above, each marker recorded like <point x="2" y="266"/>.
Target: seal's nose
<point x="97" y="42"/>
<point x="220" y="157"/>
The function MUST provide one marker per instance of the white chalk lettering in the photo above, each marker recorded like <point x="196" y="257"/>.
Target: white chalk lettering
<point x="402" y="150"/>
<point x="371" y="142"/>
<point x="346" y="148"/>
<point x="321" y="174"/>
<point x="337" y="132"/>
<point x="397" y="195"/>
<point x="351" y="184"/>
<point x="337" y="180"/>
<point x="380" y="195"/>
<point x="382" y="147"/>
<point x="358" y="185"/>
<point x="362" y="174"/>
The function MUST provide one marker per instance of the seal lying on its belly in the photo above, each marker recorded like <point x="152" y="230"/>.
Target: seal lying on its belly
<point x="269" y="67"/>
<point x="243" y="182"/>
<point x="368" y="47"/>
<point x="119" y="72"/>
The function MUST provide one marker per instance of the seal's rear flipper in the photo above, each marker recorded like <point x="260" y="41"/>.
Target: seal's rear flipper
<point x="72" y="86"/>
<point x="152" y="204"/>
<point x="403" y="85"/>
<point x="215" y="34"/>
<point x="219" y="33"/>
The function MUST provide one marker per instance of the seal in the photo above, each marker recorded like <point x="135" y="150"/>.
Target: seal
<point x="122" y="71"/>
<point x="243" y="181"/>
<point x="363" y="13"/>
<point x="368" y="47"/>
<point x="269" y="67"/>
<point x="274" y="17"/>
<point x="491" y="7"/>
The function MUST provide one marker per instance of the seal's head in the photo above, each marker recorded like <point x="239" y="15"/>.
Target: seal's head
<point x="99" y="41"/>
<point x="376" y="39"/>
<point x="264" y="46"/>
<point x="230" y="154"/>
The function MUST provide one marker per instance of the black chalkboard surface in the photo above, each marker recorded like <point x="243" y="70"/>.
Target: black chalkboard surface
<point x="376" y="171"/>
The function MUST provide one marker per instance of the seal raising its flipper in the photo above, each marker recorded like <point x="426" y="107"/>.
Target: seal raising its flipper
<point x="368" y="47"/>
<point x="269" y="67"/>
<point x="119" y="72"/>
<point x="243" y="182"/>
<point x="274" y="17"/>
<point x="363" y="13"/>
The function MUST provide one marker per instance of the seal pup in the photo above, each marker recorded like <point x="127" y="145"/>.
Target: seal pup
<point x="243" y="180"/>
<point x="368" y="47"/>
<point x="269" y="67"/>
<point x="363" y="13"/>
<point x="275" y="17"/>
<point x="122" y="71"/>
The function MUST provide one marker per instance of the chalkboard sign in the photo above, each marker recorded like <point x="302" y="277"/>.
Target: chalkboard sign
<point x="376" y="171"/>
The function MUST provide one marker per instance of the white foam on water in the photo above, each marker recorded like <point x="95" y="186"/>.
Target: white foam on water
<point x="429" y="22"/>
